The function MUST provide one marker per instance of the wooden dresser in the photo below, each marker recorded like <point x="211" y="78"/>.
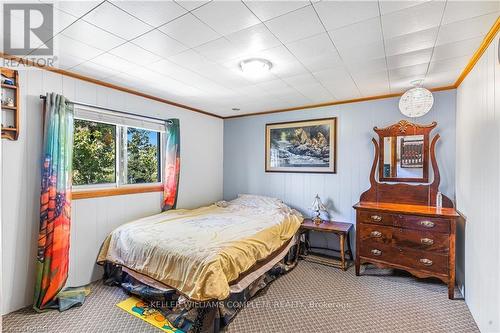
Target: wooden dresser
<point x="398" y="226"/>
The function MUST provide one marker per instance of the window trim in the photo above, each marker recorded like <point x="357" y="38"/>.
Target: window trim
<point x="118" y="187"/>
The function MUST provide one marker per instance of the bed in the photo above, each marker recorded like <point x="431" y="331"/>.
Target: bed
<point x="203" y="264"/>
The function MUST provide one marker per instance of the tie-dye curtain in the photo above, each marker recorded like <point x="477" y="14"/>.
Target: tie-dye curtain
<point x="55" y="203"/>
<point x="172" y="164"/>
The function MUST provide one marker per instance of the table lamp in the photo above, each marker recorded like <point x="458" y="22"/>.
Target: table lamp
<point x="317" y="207"/>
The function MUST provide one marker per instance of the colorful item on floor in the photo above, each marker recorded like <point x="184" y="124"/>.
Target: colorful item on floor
<point x="139" y="309"/>
<point x="55" y="203"/>
<point x="172" y="164"/>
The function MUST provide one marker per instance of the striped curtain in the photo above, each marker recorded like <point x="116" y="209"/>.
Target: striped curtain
<point x="55" y="203"/>
<point x="172" y="164"/>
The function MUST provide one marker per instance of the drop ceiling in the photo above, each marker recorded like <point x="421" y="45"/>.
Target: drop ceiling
<point x="322" y="51"/>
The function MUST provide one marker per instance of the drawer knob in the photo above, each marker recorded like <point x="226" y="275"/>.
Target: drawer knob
<point x="376" y="252"/>
<point x="376" y="218"/>
<point x="427" y="224"/>
<point x="376" y="234"/>
<point x="426" y="262"/>
<point x="426" y="241"/>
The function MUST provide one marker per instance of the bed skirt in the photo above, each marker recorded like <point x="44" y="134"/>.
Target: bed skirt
<point x="203" y="317"/>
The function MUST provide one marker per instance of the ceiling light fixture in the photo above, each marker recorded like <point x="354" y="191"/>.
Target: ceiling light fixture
<point x="235" y="109"/>
<point x="417" y="101"/>
<point x="255" y="66"/>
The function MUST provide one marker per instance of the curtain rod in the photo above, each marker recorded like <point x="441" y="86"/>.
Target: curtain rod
<point x="108" y="109"/>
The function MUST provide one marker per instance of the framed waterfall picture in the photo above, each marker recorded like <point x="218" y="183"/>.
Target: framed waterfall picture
<point x="308" y="146"/>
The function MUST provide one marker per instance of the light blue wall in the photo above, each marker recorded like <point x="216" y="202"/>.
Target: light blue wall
<point x="244" y="155"/>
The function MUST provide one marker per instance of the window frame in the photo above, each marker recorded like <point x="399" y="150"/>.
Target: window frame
<point x="120" y="187"/>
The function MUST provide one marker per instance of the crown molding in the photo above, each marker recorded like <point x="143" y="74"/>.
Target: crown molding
<point x="346" y="101"/>
<point x="105" y="84"/>
<point x="479" y="52"/>
<point x="470" y="65"/>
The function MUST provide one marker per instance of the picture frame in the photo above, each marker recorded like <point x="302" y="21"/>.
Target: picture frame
<point x="306" y="146"/>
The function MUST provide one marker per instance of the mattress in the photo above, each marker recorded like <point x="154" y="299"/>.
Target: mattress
<point x="201" y="251"/>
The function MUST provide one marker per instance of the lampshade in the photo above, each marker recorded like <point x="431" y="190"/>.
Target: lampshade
<point x="317" y="205"/>
<point x="416" y="102"/>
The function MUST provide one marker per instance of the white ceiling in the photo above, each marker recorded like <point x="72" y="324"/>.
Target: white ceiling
<point x="189" y="51"/>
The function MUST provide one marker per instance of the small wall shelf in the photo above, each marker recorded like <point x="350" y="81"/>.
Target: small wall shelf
<point x="10" y="114"/>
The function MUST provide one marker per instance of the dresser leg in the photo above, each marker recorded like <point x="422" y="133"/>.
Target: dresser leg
<point x="451" y="289"/>
<point x="356" y="266"/>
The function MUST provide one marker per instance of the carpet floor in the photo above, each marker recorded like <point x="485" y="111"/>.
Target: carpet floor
<point x="311" y="298"/>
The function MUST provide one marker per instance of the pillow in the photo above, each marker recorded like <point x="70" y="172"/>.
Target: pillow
<point x="253" y="200"/>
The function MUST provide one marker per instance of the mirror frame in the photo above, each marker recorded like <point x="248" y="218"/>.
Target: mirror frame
<point x="403" y="128"/>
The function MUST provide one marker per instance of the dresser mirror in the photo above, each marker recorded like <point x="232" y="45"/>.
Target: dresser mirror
<point x="404" y="152"/>
<point x="399" y="224"/>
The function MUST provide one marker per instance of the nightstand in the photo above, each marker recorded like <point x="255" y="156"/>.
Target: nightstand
<point x="341" y="229"/>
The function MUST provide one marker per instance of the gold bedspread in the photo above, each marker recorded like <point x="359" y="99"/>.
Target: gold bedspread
<point x="200" y="251"/>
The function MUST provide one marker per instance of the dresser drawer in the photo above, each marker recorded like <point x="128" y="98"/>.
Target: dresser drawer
<point x="423" y="223"/>
<point x="375" y="217"/>
<point x="375" y="233"/>
<point x="377" y="250"/>
<point x="421" y="240"/>
<point x="424" y="261"/>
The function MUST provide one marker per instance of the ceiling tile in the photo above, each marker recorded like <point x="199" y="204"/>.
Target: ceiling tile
<point x="390" y="6"/>
<point x="225" y="76"/>
<point x="226" y="17"/>
<point x="408" y="71"/>
<point x="419" y="40"/>
<point x="122" y="24"/>
<point x="356" y="34"/>
<point x="362" y="53"/>
<point x="316" y="52"/>
<point x="189" y="30"/>
<point x="73" y="47"/>
<point x="336" y="14"/>
<point x="75" y="8"/>
<point x="457" y="49"/>
<point x="159" y="43"/>
<point x="94" y="70"/>
<point x="441" y="79"/>
<point x="413" y="19"/>
<point x="253" y="39"/>
<point x="287" y="69"/>
<point x="266" y="10"/>
<point x="462" y="10"/>
<point x="190" y="4"/>
<point x="367" y="66"/>
<point x="86" y="33"/>
<point x="470" y="28"/>
<point x="135" y="54"/>
<point x="154" y="13"/>
<point x="66" y="61"/>
<point x="303" y="80"/>
<point x="113" y="62"/>
<point x="409" y="59"/>
<point x="191" y="59"/>
<point x="338" y="82"/>
<point x="219" y="50"/>
<point x="308" y="86"/>
<point x="373" y="83"/>
<point x="62" y="20"/>
<point x="296" y="25"/>
<point x="399" y="86"/>
<point x="453" y="64"/>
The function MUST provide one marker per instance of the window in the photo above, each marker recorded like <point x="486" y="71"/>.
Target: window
<point x="94" y="153"/>
<point x="143" y="156"/>
<point x="107" y="154"/>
